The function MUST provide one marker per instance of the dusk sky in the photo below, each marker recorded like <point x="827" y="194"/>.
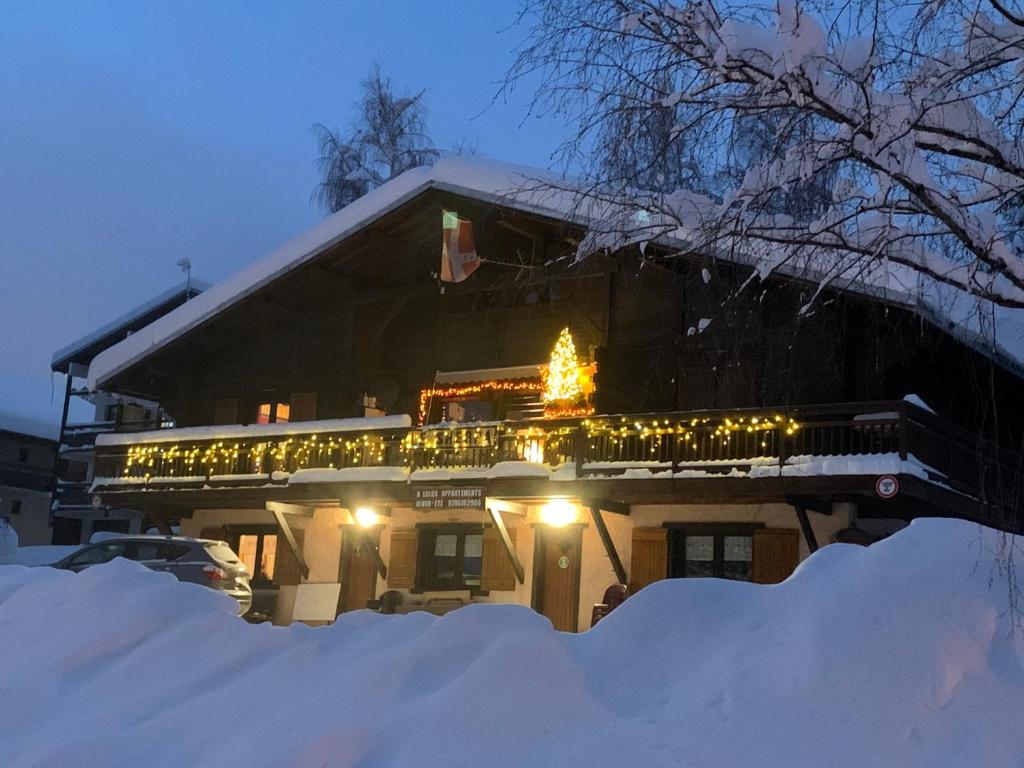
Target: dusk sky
<point x="133" y="134"/>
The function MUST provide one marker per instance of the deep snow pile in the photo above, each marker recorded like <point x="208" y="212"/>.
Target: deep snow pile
<point x="897" y="655"/>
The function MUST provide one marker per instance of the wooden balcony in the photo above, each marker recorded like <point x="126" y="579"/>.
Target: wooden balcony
<point x="819" y="441"/>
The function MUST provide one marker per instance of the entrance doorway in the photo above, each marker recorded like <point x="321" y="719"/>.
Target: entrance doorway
<point x="358" y="570"/>
<point x="556" y="575"/>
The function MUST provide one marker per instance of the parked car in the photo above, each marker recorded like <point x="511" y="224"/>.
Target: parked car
<point x="198" y="561"/>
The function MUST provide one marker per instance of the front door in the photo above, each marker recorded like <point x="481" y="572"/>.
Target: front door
<point x="557" y="575"/>
<point x="359" y="571"/>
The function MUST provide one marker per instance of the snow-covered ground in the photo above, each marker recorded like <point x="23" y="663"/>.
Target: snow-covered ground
<point x="897" y="655"/>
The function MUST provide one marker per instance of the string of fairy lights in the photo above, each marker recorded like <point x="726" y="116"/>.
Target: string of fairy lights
<point x="614" y="438"/>
<point x="566" y="386"/>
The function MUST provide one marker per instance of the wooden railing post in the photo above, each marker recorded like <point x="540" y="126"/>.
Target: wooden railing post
<point x="581" y="449"/>
<point x="902" y="428"/>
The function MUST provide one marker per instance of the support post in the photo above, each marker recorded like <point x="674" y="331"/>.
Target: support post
<point x="805" y="526"/>
<point x="609" y="545"/>
<point x="506" y="540"/>
<point x="286" y="529"/>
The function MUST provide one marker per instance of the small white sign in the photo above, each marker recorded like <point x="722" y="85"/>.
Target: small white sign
<point x="887" y="486"/>
<point x="316" y="602"/>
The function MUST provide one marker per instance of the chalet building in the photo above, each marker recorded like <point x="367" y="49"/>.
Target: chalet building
<point x="27" y="463"/>
<point x="74" y="515"/>
<point x="428" y="401"/>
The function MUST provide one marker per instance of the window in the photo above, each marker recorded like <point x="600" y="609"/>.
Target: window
<point x="272" y="413"/>
<point x="23" y="455"/>
<point x="450" y="557"/>
<point x="257" y="549"/>
<point x="101" y="553"/>
<point x="721" y="551"/>
<point x="16" y="507"/>
<point x="146" y="551"/>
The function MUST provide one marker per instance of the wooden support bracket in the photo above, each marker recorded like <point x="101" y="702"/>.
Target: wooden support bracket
<point x="506" y="540"/>
<point x="290" y="509"/>
<point x="805" y="526"/>
<point x="286" y="529"/>
<point x="609" y="545"/>
<point x="374" y="552"/>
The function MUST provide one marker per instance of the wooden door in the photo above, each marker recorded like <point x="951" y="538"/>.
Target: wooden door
<point x="358" y="569"/>
<point x="557" y="575"/>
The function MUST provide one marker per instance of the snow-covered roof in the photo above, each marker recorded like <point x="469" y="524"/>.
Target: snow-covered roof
<point x="116" y="329"/>
<point x="539" y="192"/>
<point x="487" y="180"/>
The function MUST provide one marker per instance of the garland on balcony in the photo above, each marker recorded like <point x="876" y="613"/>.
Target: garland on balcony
<point x="495" y="385"/>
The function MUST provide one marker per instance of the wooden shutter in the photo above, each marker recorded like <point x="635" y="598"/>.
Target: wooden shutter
<point x="497" y="574"/>
<point x="214" y="533"/>
<point x="225" y="411"/>
<point x="402" y="561"/>
<point x="286" y="565"/>
<point x="649" y="561"/>
<point x="303" y="406"/>
<point x="776" y="554"/>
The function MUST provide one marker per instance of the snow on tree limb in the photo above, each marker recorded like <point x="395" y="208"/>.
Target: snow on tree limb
<point x="889" y="133"/>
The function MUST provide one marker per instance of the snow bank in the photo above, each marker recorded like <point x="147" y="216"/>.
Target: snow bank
<point x="897" y="655"/>
<point x="44" y="554"/>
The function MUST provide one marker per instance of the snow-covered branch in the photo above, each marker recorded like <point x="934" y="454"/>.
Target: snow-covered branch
<point x="882" y="131"/>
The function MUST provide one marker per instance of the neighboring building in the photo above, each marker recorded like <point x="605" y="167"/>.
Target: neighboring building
<point x="76" y="514"/>
<point x="26" y="481"/>
<point x="354" y="427"/>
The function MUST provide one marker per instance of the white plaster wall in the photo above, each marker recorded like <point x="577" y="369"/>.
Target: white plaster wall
<point x="596" y="571"/>
<point x="33" y="521"/>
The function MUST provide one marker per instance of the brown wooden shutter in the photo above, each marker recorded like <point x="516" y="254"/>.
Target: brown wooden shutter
<point x="225" y="411"/>
<point x="286" y="565"/>
<point x="402" y="561"/>
<point x="303" y="406"/>
<point x="649" y="561"/>
<point x="776" y="554"/>
<point x="497" y="574"/>
<point x="214" y="533"/>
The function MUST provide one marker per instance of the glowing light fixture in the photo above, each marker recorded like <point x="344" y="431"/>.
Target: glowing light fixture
<point x="366" y="517"/>
<point x="558" y="512"/>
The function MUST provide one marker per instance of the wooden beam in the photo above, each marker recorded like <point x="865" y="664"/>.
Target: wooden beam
<point x="389" y="317"/>
<point x="805" y="526"/>
<point x="290" y="509"/>
<point x="286" y="529"/>
<point x="607" y="505"/>
<point x="507" y="541"/>
<point x="609" y="545"/>
<point x="374" y="552"/>
<point x="814" y="503"/>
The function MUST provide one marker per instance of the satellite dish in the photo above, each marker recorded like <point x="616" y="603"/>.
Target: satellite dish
<point x="385" y="390"/>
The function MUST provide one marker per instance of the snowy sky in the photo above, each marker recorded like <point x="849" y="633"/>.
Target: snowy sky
<point x="132" y="134"/>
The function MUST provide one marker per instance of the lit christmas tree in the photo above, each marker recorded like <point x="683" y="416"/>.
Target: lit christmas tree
<point x="562" y="376"/>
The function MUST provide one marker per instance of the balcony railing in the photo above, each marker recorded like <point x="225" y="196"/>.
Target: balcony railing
<point x="712" y="441"/>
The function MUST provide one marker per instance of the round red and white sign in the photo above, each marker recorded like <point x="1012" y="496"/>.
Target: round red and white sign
<point x="887" y="486"/>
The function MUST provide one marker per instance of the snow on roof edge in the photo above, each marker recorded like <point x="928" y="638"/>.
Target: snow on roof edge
<point x="126" y="318"/>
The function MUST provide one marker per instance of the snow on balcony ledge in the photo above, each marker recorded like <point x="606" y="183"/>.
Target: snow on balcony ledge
<point x="254" y="431"/>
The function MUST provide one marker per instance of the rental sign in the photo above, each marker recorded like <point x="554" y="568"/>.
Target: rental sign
<point x="427" y="497"/>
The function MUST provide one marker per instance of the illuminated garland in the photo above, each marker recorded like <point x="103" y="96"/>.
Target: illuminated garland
<point x="497" y="385"/>
<point x="608" y="438"/>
